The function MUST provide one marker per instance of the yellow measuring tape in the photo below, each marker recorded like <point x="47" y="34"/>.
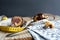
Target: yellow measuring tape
<point x="11" y="29"/>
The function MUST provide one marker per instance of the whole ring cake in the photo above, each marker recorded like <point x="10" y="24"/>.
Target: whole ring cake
<point x="17" y="21"/>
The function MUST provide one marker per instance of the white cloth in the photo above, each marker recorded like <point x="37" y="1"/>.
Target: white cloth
<point x="39" y="33"/>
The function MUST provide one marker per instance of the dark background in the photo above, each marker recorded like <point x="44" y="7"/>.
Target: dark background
<point x="29" y="7"/>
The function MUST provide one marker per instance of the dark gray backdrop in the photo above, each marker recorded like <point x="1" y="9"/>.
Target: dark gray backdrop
<point x="28" y="7"/>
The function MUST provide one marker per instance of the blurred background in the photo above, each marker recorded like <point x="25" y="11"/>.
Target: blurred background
<point x="29" y="7"/>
